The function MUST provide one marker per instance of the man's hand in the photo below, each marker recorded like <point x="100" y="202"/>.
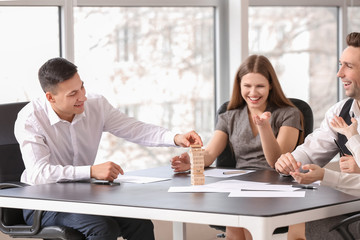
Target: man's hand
<point x="286" y="164"/>
<point x="348" y="164"/>
<point x="187" y="139"/>
<point x="315" y="173"/>
<point x="262" y="119"/>
<point x="339" y="125"/>
<point x="181" y="163"/>
<point x="106" y="171"/>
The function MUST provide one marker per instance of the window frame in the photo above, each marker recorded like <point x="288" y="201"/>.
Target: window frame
<point x="342" y="7"/>
<point x="231" y="28"/>
<point x="226" y="13"/>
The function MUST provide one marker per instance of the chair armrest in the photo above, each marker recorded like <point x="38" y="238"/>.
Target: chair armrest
<point x="5" y="185"/>
<point x="343" y="227"/>
<point x="21" y="230"/>
<point x="18" y="230"/>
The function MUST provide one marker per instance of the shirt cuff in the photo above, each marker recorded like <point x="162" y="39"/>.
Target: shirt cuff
<point x="301" y="156"/>
<point x="331" y="178"/>
<point x="169" y="138"/>
<point x="82" y="172"/>
<point x="353" y="142"/>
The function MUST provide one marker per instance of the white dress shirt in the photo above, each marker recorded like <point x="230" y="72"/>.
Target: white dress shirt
<point x="346" y="182"/>
<point x="319" y="147"/>
<point x="56" y="150"/>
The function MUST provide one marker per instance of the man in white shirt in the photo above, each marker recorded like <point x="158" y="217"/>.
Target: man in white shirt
<point x="59" y="136"/>
<point x="319" y="147"/>
<point x="346" y="182"/>
<point x="342" y="181"/>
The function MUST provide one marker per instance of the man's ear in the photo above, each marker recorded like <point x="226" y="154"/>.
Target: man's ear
<point x="49" y="97"/>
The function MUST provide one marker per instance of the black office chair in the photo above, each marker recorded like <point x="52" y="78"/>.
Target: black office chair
<point x="305" y="109"/>
<point x="343" y="227"/>
<point x="11" y="166"/>
<point x="227" y="158"/>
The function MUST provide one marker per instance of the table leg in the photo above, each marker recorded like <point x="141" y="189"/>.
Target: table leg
<point x="260" y="229"/>
<point x="260" y="235"/>
<point x="179" y="231"/>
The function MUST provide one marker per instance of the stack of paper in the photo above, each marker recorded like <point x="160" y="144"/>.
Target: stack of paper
<point x="238" y="188"/>
<point x="138" y="179"/>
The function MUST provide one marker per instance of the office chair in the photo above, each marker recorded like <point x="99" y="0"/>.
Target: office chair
<point x="305" y="109"/>
<point x="11" y="167"/>
<point x="343" y="227"/>
<point x="227" y="158"/>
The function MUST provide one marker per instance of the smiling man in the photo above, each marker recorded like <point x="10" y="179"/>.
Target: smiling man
<point x="319" y="147"/>
<point x="59" y="135"/>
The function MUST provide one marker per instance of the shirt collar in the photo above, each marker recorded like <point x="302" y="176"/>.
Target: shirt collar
<point x="54" y="118"/>
<point x="354" y="109"/>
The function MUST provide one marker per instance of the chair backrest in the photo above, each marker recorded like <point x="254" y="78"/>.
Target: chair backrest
<point x="11" y="163"/>
<point x="11" y="167"/>
<point x="227" y="157"/>
<point x="305" y="109"/>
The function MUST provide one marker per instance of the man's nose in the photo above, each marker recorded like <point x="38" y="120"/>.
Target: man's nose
<point x="340" y="73"/>
<point x="83" y="97"/>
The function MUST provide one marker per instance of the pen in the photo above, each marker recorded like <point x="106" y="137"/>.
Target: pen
<point x="308" y="187"/>
<point x="234" y="172"/>
<point x="304" y="186"/>
<point x="105" y="182"/>
<point x="341" y="151"/>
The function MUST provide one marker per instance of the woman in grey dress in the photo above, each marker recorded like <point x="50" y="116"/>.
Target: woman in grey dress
<point x="260" y="124"/>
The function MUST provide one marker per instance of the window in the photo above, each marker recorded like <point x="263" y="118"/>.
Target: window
<point x="354" y="19"/>
<point x="29" y="36"/>
<point x="155" y="64"/>
<point x="303" y="50"/>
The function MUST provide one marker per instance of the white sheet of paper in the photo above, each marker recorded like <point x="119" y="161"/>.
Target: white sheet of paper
<point x="317" y="182"/>
<point x="221" y="186"/>
<point x="219" y="173"/>
<point x="266" y="194"/>
<point x="138" y="179"/>
<point x="235" y="187"/>
<point x="196" y="188"/>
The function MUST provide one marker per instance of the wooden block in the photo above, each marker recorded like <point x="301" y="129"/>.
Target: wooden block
<point x="196" y="154"/>
<point x="198" y="180"/>
<point x="197" y="171"/>
<point x="197" y="163"/>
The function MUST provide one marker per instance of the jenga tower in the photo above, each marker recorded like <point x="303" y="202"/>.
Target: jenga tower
<point x="197" y="165"/>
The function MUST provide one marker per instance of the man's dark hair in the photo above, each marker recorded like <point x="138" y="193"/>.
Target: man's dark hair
<point x="353" y="39"/>
<point x="55" y="71"/>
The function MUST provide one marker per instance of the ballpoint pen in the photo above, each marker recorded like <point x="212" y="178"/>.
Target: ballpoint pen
<point x="341" y="151"/>
<point x="304" y="186"/>
<point x="104" y="182"/>
<point x="234" y="172"/>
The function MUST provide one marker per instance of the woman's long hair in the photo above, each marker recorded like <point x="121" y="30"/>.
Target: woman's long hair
<point x="261" y="65"/>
